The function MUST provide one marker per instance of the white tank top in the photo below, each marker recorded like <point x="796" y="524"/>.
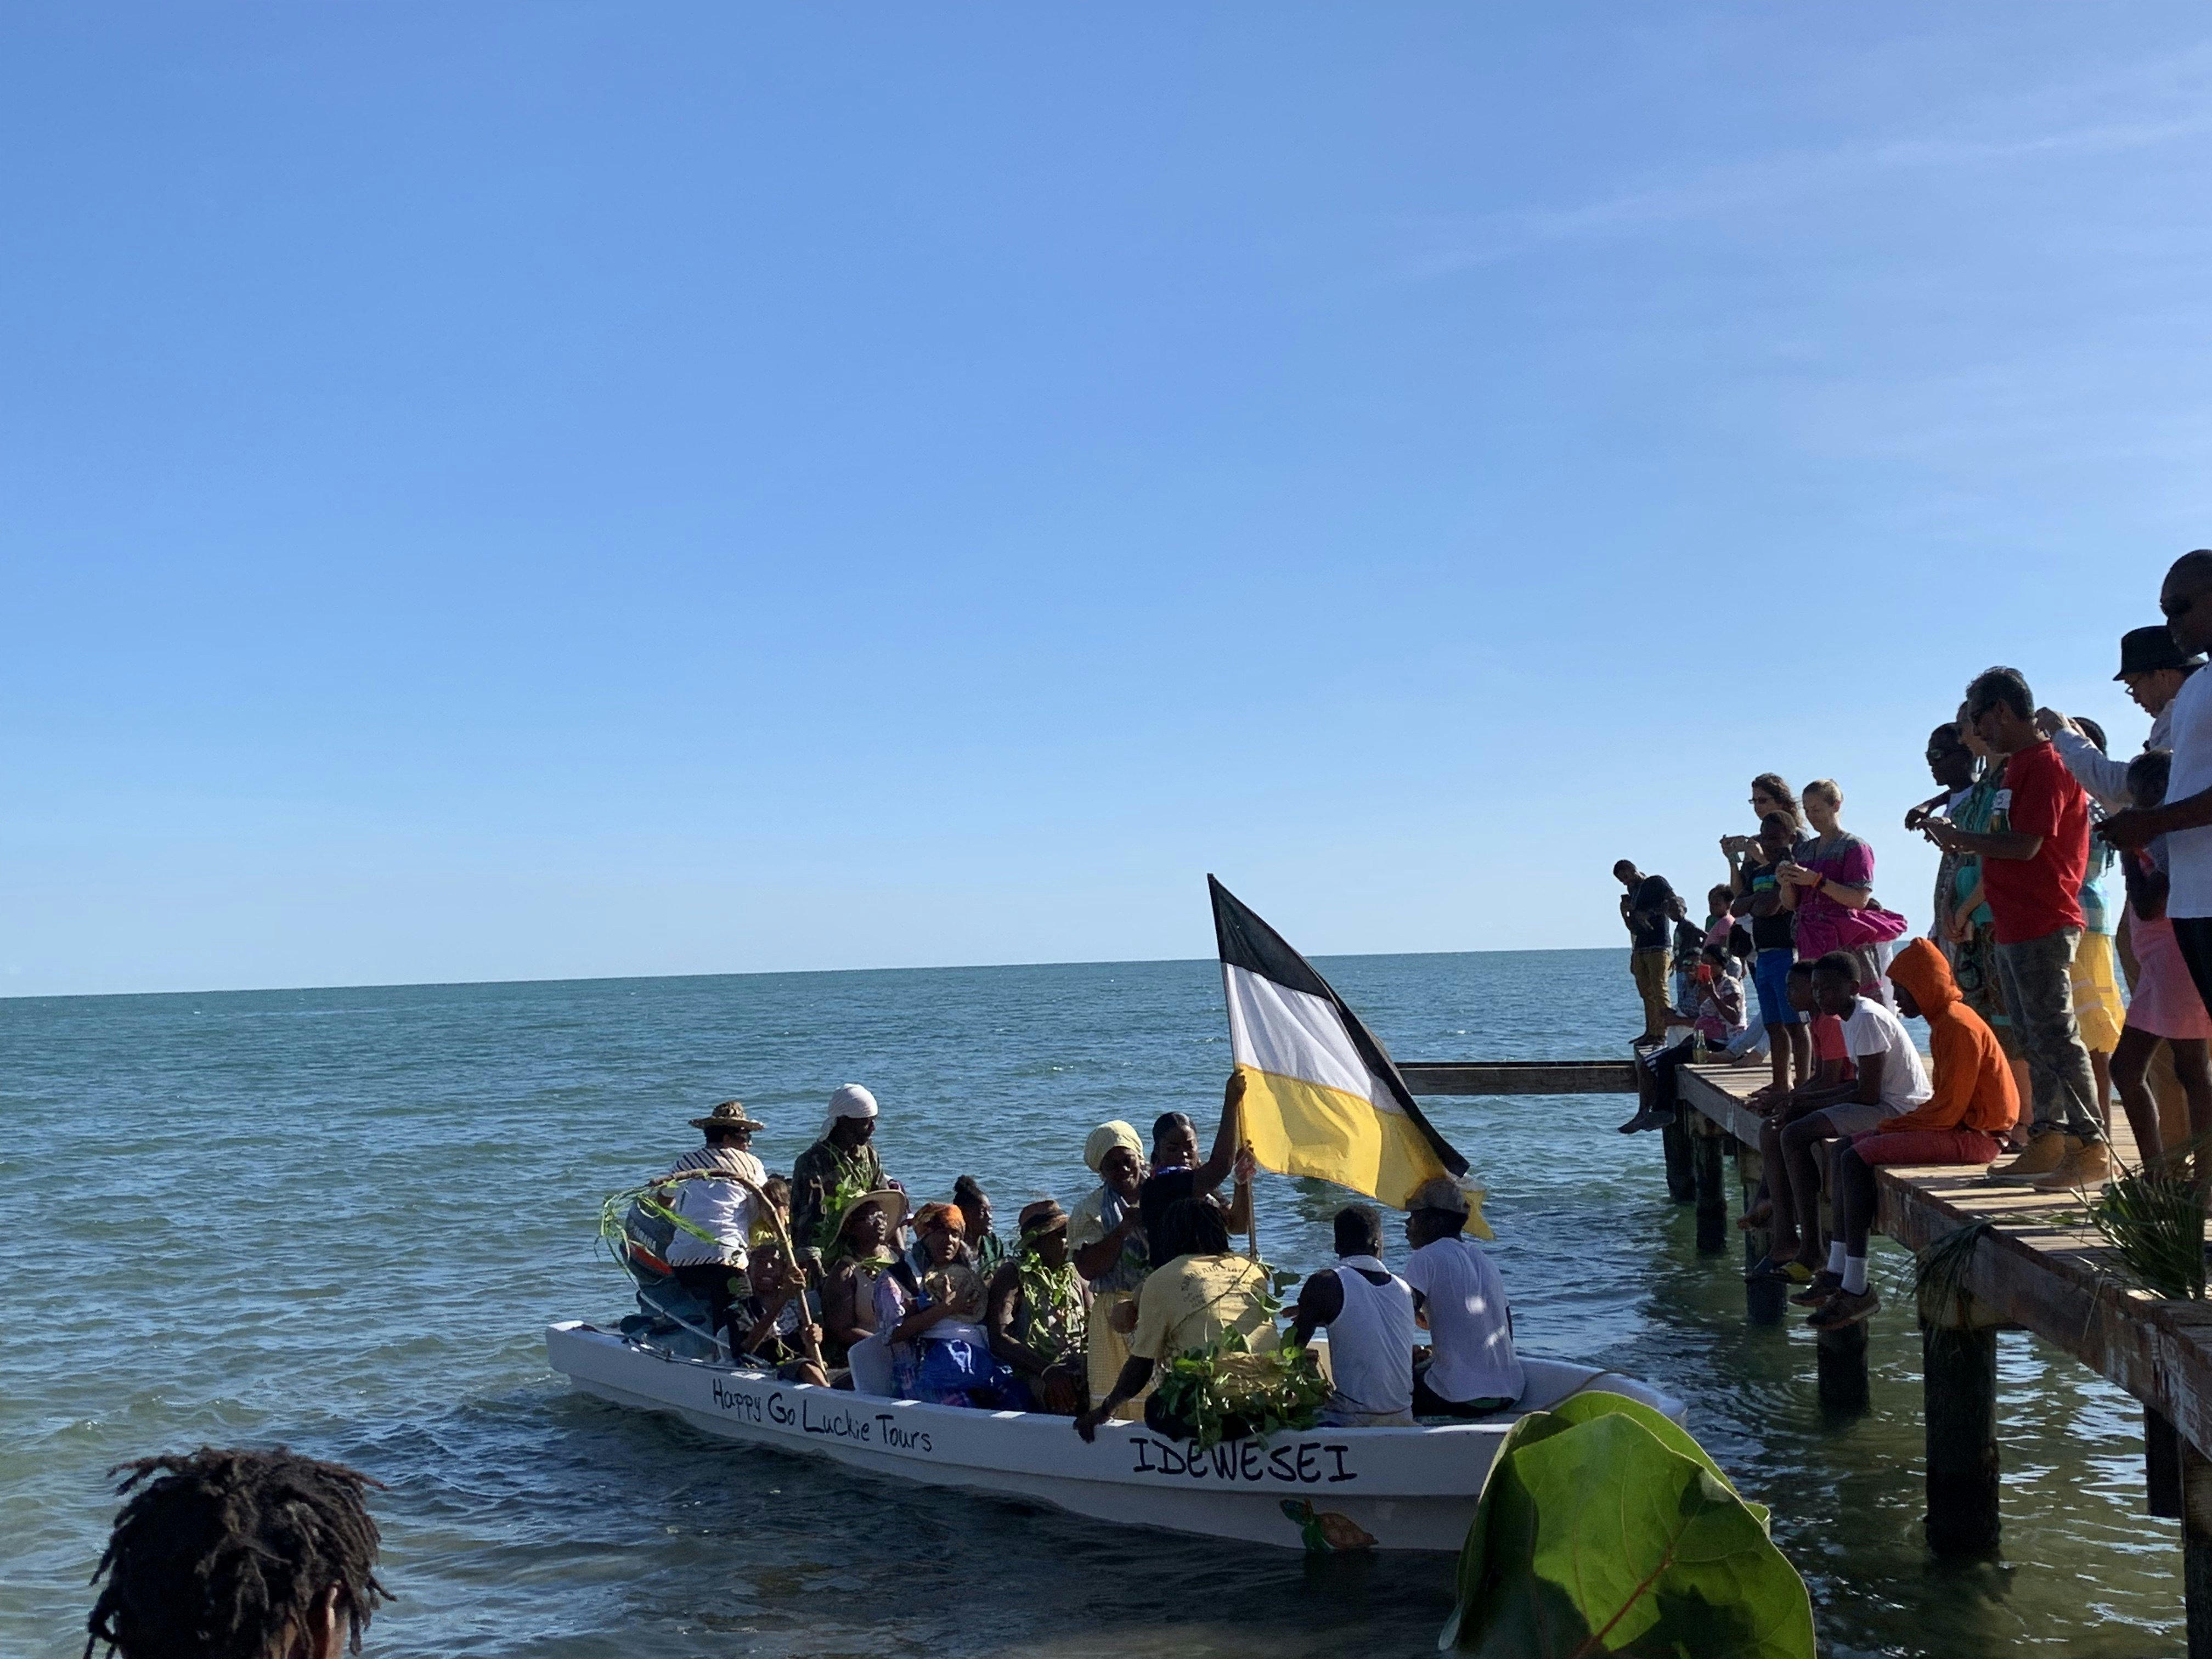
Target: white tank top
<point x="1370" y="1343"/>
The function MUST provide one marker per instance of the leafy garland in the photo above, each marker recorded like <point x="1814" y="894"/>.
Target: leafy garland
<point x="853" y="1185"/>
<point x="1227" y="1391"/>
<point x="1057" y="1324"/>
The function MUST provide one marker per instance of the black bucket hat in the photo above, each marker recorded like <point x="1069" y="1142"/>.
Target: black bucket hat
<point x="2147" y="650"/>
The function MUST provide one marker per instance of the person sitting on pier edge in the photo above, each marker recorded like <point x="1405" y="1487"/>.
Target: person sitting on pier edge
<point x="940" y="1353"/>
<point x="1757" y="887"/>
<point x="860" y="1254"/>
<point x="1831" y="1066"/>
<point x="710" y="1245"/>
<point x="2035" y="856"/>
<point x="2165" y="1008"/>
<point x="1717" y="1022"/>
<point x="843" y="1163"/>
<point x="975" y="1207"/>
<point x="1888" y="1080"/>
<point x="1106" y="1237"/>
<point x="1175" y="1137"/>
<point x="1972" y="1100"/>
<point x="1202" y="1294"/>
<point x="1471" y="1370"/>
<point x="265" y="1554"/>
<point x="1644" y="912"/>
<point x="1039" y="1307"/>
<point x="1368" y="1311"/>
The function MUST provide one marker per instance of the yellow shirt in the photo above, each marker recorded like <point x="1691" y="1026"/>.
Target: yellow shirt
<point x="1189" y="1303"/>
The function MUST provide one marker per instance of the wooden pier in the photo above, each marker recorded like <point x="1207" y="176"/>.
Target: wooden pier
<point x="2035" y="1267"/>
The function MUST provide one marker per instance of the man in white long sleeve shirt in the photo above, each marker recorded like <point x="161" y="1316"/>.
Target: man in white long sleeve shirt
<point x="2154" y="670"/>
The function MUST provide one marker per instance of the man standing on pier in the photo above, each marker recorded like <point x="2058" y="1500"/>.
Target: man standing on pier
<point x="2185" y="818"/>
<point x="2034" y="855"/>
<point x="1646" y="910"/>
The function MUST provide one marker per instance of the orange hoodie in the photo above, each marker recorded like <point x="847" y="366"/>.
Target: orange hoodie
<point x="1973" y="1083"/>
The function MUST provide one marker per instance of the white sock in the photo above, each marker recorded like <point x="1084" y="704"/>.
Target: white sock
<point x="1836" y="1258"/>
<point x="1855" y="1275"/>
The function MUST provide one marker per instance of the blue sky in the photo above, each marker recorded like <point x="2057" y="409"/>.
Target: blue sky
<point x="499" y="492"/>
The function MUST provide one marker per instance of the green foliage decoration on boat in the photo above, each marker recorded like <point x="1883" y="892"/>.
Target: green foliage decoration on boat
<point x="1604" y="1529"/>
<point x="1227" y="1392"/>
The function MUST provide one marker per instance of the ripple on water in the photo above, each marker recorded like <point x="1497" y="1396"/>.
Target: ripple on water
<point x="342" y="1219"/>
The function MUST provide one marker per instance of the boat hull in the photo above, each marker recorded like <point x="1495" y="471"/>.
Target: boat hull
<point x="1406" y="1489"/>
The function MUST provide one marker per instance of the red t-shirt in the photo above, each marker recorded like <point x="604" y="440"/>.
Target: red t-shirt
<point x="2029" y="898"/>
<point x="1828" y="1044"/>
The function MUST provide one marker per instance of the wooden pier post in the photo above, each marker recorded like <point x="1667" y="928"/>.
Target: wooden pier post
<point x="1764" y="1300"/>
<point x="1959" y="1372"/>
<point x="1841" y="1355"/>
<point x="2162" y="1466"/>
<point x="2196" y="1547"/>
<point x="1681" y="1177"/>
<point x="1711" y="1188"/>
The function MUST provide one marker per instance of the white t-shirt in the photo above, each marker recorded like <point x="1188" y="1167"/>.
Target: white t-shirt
<point x="720" y="1207"/>
<point x="2190" y="851"/>
<point x="1469" y="1323"/>
<point x="1871" y="1028"/>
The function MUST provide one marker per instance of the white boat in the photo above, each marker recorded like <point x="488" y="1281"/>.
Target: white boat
<point x="1395" y="1489"/>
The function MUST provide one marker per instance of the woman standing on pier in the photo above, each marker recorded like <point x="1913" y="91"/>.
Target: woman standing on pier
<point x="1830" y="885"/>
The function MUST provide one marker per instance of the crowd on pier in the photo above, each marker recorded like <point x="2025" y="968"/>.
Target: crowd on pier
<point x="835" y="1277"/>
<point x="2065" y="869"/>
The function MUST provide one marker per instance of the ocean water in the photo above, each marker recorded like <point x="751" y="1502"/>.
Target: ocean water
<point x="341" y="1219"/>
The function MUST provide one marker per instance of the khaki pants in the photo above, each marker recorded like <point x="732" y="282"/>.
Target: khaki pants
<point x="1649" y="968"/>
<point x="1109" y="1352"/>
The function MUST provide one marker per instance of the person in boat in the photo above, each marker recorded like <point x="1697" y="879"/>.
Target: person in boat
<point x="708" y="1249"/>
<point x="860" y="1254"/>
<point x="1039" y="1307"/>
<point x="1473" y="1369"/>
<point x="1368" y="1311"/>
<point x="1106" y="1241"/>
<point x="261" y="1552"/>
<point x="1203" y="1294"/>
<point x="940" y="1352"/>
<point x="770" y="1322"/>
<point x="975" y="1207"/>
<point x="1974" y="1100"/>
<point x="1175" y="1139"/>
<point x="839" y="1167"/>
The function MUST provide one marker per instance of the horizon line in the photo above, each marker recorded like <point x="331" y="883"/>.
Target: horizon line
<point x="755" y="972"/>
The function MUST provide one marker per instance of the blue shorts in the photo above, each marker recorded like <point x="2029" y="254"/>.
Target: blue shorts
<point x="1770" y="974"/>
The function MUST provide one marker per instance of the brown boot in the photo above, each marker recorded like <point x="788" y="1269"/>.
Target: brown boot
<point x="2045" y="1152"/>
<point x="2082" y="1170"/>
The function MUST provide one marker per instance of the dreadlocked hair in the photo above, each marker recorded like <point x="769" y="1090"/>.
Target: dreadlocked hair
<point x="220" y="1554"/>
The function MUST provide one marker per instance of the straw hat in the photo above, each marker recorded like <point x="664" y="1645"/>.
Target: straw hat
<point x="730" y="1115"/>
<point x="890" y="1201"/>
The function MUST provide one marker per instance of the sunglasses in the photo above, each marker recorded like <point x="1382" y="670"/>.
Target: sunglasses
<point x="2172" y="608"/>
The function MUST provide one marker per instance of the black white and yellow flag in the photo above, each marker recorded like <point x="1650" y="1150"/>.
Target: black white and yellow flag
<point x="1322" y="1098"/>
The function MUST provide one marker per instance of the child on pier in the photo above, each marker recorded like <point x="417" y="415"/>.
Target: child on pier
<point x="1888" y="1080"/>
<point x="1972" y="1101"/>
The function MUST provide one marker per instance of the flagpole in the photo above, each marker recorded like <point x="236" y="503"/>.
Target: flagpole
<point x="1243" y="1145"/>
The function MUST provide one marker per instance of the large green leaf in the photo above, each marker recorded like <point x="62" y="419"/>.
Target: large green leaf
<point x="1599" y="1533"/>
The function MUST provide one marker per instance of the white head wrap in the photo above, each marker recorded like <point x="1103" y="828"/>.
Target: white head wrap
<point x="851" y="1101"/>
<point x="1105" y="1138"/>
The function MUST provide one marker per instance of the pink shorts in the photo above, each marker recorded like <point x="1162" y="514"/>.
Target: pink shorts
<point x="1927" y="1146"/>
